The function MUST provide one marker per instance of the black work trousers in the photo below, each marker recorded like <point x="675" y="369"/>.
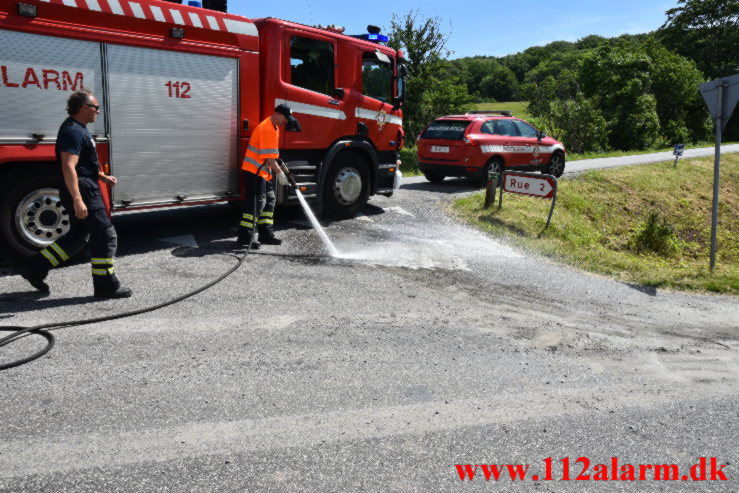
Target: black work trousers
<point x="263" y="215"/>
<point x="95" y="230"/>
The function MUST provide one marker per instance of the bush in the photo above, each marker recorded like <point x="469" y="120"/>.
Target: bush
<point x="408" y="160"/>
<point x="655" y="235"/>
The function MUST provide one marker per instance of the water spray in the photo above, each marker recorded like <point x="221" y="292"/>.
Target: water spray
<point x="308" y="212"/>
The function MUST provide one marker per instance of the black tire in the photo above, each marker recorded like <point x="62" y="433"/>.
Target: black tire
<point x="556" y="165"/>
<point x="31" y="213"/>
<point x="433" y="177"/>
<point x="346" y="186"/>
<point x="496" y="165"/>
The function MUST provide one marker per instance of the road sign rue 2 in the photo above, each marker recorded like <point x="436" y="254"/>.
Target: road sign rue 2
<point x="521" y="183"/>
<point x="535" y="186"/>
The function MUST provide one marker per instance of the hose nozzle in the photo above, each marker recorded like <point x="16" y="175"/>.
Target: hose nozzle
<point x="287" y="173"/>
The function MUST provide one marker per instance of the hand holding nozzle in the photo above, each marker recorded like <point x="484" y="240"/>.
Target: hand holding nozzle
<point x="286" y="178"/>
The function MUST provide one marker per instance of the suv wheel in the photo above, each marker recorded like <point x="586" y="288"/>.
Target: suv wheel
<point x="433" y="177"/>
<point x="556" y="165"/>
<point x="495" y="165"/>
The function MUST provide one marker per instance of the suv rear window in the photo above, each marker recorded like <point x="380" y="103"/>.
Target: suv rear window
<point x="446" y="129"/>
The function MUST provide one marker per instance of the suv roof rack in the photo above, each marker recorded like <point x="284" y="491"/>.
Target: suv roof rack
<point x="491" y="112"/>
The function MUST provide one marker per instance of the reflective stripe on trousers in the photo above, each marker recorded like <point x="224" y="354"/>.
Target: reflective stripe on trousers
<point x="247" y="220"/>
<point x="50" y="251"/>
<point x="102" y="266"/>
<point x="266" y="218"/>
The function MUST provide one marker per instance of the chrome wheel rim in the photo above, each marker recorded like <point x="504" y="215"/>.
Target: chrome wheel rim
<point x="347" y="186"/>
<point x="40" y="217"/>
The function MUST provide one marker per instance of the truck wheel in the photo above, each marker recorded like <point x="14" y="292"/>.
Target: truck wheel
<point x="556" y="165"/>
<point x="495" y="165"/>
<point x="433" y="177"/>
<point x="346" y="187"/>
<point x="31" y="214"/>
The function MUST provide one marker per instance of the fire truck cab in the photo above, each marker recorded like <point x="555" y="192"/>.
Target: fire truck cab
<point x="181" y="88"/>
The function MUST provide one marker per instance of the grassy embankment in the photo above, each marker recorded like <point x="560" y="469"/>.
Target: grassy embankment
<point x="648" y="224"/>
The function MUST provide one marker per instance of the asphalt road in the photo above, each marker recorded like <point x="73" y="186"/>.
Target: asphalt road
<point x="655" y="157"/>
<point x="427" y="345"/>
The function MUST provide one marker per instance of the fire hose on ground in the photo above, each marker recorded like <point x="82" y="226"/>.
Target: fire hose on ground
<point x="43" y="330"/>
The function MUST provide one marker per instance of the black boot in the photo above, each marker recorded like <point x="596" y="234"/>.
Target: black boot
<point x="36" y="279"/>
<point x="35" y="271"/>
<point x="245" y="239"/>
<point x="270" y="239"/>
<point x="110" y="287"/>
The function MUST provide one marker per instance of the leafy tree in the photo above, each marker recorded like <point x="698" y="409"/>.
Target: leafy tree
<point x="499" y="85"/>
<point x="523" y="62"/>
<point x="647" y="94"/>
<point x="443" y="97"/>
<point x="542" y="94"/>
<point x="581" y="125"/>
<point x="619" y="79"/>
<point x="422" y="41"/>
<point x="424" y="45"/>
<point x="556" y="65"/>
<point x="563" y="111"/>
<point x="706" y="31"/>
<point x="590" y="42"/>
<point x="680" y="107"/>
<point x="473" y="70"/>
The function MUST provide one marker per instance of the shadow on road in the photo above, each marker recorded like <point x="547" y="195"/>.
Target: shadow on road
<point x="448" y="186"/>
<point x="34" y="301"/>
<point x="648" y="290"/>
<point x="210" y="228"/>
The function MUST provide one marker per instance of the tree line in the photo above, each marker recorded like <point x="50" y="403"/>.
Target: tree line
<point x="632" y="92"/>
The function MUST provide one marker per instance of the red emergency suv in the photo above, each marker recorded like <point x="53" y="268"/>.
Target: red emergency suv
<point x="476" y="142"/>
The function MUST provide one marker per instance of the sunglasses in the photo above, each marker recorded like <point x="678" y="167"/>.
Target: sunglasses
<point x="97" y="107"/>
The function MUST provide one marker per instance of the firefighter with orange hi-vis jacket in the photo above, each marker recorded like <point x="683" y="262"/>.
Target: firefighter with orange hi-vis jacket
<point x="260" y="163"/>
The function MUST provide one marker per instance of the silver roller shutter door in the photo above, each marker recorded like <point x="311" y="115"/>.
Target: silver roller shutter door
<point x="39" y="108"/>
<point x="164" y="146"/>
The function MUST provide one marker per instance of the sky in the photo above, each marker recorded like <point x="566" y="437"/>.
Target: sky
<point x="491" y="28"/>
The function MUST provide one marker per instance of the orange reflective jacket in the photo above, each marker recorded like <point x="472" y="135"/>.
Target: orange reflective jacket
<point x="262" y="146"/>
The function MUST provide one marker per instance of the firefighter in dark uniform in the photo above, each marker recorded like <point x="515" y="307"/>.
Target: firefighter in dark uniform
<point x="259" y="163"/>
<point x="80" y="195"/>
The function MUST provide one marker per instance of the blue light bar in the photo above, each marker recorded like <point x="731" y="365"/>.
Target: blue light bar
<point x="375" y="38"/>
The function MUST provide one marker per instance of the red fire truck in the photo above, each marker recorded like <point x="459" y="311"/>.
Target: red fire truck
<point x="181" y="88"/>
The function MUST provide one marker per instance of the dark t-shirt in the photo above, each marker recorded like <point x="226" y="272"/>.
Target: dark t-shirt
<point x="74" y="138"/>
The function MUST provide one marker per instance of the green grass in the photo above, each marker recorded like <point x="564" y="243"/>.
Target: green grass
<point x="648" y="224"/>
<point x="520" y="109"/>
